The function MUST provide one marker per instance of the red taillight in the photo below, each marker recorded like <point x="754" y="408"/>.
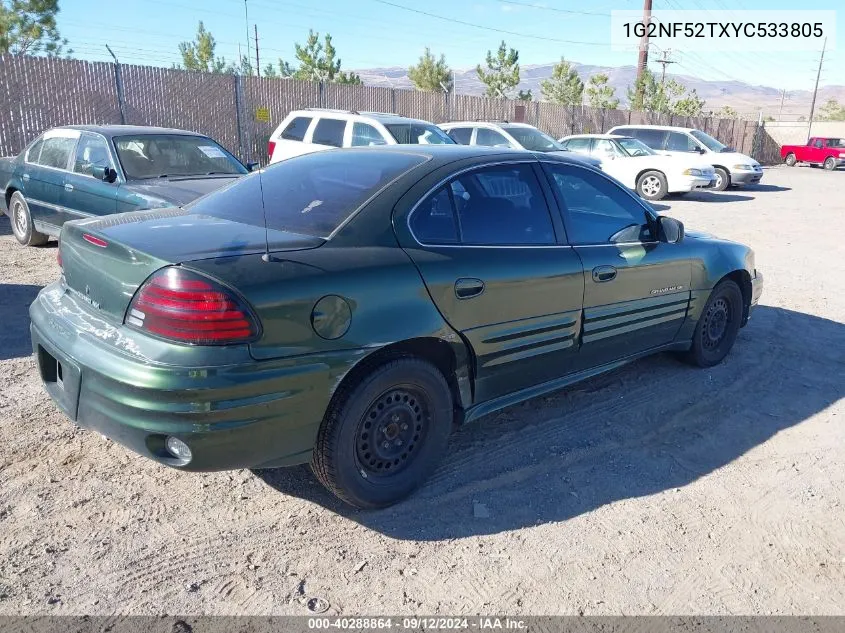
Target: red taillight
<point x="271" y="145"/>
<point x="96" y="241"/>
<point x="186" y="307"/>
<point x="59" y="252"/>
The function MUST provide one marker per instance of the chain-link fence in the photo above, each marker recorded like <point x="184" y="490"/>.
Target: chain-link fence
<point x="37" y="93"/>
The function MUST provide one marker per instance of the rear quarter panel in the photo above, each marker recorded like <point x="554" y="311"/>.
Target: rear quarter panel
<point x="9" y="179"/>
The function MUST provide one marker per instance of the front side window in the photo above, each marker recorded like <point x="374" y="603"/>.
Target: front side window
<point x="91" y="151"/>
<point x="494" y="206"/>
<point x="533" y="139"/>
<point x="296" y="129"/>
<point x="490" y="138"/>
<point x="329" y="132"/>
<point x="56" y="151"/>
<point x="605" y="148"/>
<point x="146" y="156"/>
<point x="598" y="210"/>
<point x="364" y="135"/>
<point x="679" y="142"/>
<point x="461" y="135"/>
<point x="418" y="134"/>
<point x="580" y="145"/>
<point x="819" y="143"/>
<point x="633" y="147"/>
<point x="708" y="141"/>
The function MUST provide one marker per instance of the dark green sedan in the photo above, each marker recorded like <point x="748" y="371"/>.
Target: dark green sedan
<point x="350" y="307"/>
<point x="80" y="171"/>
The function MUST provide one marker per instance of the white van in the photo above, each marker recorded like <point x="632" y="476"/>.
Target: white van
<point x="732" y="168"/>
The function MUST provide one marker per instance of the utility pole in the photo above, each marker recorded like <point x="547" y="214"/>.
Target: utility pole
<point x="783" y="94"/>
<point x="642" y="58"/>
<point x="257" y="61"/>
<point x="246" y="20"/>
<point x="663" y="61"/>
<point x="816" y="91"/>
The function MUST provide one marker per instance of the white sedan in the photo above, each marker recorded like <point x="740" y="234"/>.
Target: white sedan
<point x="640" y="168"/>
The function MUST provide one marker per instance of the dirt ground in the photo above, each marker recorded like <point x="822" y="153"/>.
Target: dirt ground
<point x="656" y="489"/>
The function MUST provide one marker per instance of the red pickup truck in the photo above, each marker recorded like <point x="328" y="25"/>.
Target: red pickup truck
<point x="829" y="152"/>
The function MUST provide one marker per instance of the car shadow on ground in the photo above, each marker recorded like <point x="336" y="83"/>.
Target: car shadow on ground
<point x="14" y="333"/>
<point x="714" y="196"/>
<point x="649" y="428"/>
<point x="765" y="188"/>
<point x="5" y="225"/>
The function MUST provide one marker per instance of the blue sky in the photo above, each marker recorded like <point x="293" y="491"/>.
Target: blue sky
<point x="369" y="33"/>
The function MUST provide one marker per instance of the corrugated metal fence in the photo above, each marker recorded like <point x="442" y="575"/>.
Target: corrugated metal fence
<point x="37" y="93"/>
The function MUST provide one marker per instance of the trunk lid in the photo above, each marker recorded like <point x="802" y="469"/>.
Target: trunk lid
<point x="105" y="260"/>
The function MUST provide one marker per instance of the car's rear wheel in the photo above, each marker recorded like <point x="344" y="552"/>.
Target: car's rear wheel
<point x="652" y="185"/>
<point x="718" y="325"/>
<point x="723" y="179"/>
<point x="22" y="225"/>
<point x="383" y="435"/>
<point x="829" y="164"/>
<point x="791" y="160"/>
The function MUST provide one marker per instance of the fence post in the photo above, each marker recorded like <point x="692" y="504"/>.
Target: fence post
<point x="121" y="99"/>
<point x="629" y="117"/>
<point x="321" y="98"/>
<point x="603" y="110"/>
<point x="572" y="119"/>
<point x="238" y="118"/>
<point x="393" y="100"/>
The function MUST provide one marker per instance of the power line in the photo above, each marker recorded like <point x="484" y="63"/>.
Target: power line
<point x="557" y="10"/>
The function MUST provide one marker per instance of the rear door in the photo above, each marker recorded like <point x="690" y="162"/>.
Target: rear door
<point x="45" y="189"/>
<point x="492" y="257"/>
<point x="85" y="195"/>
<point x="291" y="140"/>
<point x="636" y="288"/>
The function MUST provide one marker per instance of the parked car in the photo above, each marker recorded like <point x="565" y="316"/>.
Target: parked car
<point x="315" y="129"/>
<point x="348" y="308"/>
<point x="640" y="168"/>
<point x="732" y="168"/>
<point x="81" y="171"/>
<point x="503" y="134"/>
<point x="819" y="150"/>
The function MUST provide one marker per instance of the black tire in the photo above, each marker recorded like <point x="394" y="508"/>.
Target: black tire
<point x="829" y="164"/>
<point x="22" y="226"/>
<point x="723" y="179"/>
<point x="718" y="326"/>
<point x="652" y="185"/>
<point x="791" y="160"/>
<point x="406" y="404"/>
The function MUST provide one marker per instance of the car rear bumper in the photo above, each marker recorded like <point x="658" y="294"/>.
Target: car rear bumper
<point x="248" y="415"/>
<point x="746" y="177"/>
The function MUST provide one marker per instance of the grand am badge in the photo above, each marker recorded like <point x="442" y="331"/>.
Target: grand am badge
<point x="660" y="291"/>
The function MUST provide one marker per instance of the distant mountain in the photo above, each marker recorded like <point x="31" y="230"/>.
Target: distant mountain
<point x="742" y="97"/>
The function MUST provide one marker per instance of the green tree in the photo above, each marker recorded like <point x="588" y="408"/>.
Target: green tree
<point x="525" y="95"/>
<point x="600" y="94"/>
<point x="832" y="111"/>
<point x="502" y="74"/>
<point x="199" y="54"/>
<point x="317" y="61"/>
<point x="685" y="103"/>
<point x="727" y="112"/>
<point x="670" y="97"/>
<point x="564" y="87"/>
<point x="28" y="27"/>
<point x="431" y="74"/>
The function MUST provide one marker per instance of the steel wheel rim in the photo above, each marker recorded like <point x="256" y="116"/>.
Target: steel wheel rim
<point x="19" y="218"/>
<point x="717" y="323"/>
<point x="718" y="179"/>
<point x="651" y="185"/>
<point x="828" y="163"/>
<point x="391" y="432"/>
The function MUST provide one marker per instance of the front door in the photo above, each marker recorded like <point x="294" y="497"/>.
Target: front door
<point x="636" y="288"/>
<point x="489" y="251"/>
<point x="45" y="189"/>
<point x="85" y="195"/>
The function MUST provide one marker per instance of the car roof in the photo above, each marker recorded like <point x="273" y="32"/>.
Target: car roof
<point x="122" y="130"/>
<point x="439" y="155"/>
<point x="669" y="128"/>
<point x="608" y="136"/>
<point x="487" y="124"/>
<point x="381" y="117"/>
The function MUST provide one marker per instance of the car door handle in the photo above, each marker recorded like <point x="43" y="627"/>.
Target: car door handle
<point x="68" y="186"/>
<point x="604" y="273"/>
<point x="468" y="287"/>
<point x="25" y="177"/>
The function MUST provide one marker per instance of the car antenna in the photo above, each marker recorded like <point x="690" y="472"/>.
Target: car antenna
<point x="266" y="256"/>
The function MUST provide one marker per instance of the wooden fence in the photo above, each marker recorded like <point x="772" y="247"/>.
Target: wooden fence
<point x="37" y="93"/>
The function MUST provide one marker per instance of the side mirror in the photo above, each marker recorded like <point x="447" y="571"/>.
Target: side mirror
<point x="700" y="150"/>
<point x="106" y="174"/>
<point x="252" y="166"/>
<point x="671" y="230"/>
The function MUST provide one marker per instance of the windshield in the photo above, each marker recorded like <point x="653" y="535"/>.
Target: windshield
<point x="708" y="141"/>
<point x="144" y="156"/>
<point x="533" y="139"/>
<point x="418" y="134"/>
<point x="311" y="194"/>
<point x="633" y="147"/>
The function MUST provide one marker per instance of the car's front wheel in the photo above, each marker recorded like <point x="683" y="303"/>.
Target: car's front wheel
<point x="652" y="185"/>
<point x="791" y="160"/>
<point x="718" y="325"/>
<point x="383" y="435"/>
<point x="22" y="225"/>
<point x="829" y="164"/>
<point x="723" y="179"/>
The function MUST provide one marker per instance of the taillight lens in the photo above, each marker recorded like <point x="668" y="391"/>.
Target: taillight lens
<point x="59" y="252"/>
<point x="186" y="307"/>
<point x="271" y="145"/>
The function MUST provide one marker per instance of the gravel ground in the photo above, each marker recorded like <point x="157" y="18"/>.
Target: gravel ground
<point x="656" y="489"/>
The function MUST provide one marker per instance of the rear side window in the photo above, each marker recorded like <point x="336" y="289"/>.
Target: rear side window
<point x="653" y="138"/>
<point x="311" y="195"/>
<point x="364" y="135"/>
<point x="329" y="132"/>
<point x="434" y="220"/>
<point x="461" y="135"/>
<point x="34" y="151"/>
<point x="678" y="142"/>
<point x="295" y="130"/>
<point x="56" y="151"/>
<point x="490" y="138"/>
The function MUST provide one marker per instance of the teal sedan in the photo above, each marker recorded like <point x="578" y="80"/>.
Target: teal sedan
<point x="85" y="171"/>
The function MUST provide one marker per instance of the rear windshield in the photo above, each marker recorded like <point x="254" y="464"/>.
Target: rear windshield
<point x="311" y="194"/>
<point x="418" y="134"/>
